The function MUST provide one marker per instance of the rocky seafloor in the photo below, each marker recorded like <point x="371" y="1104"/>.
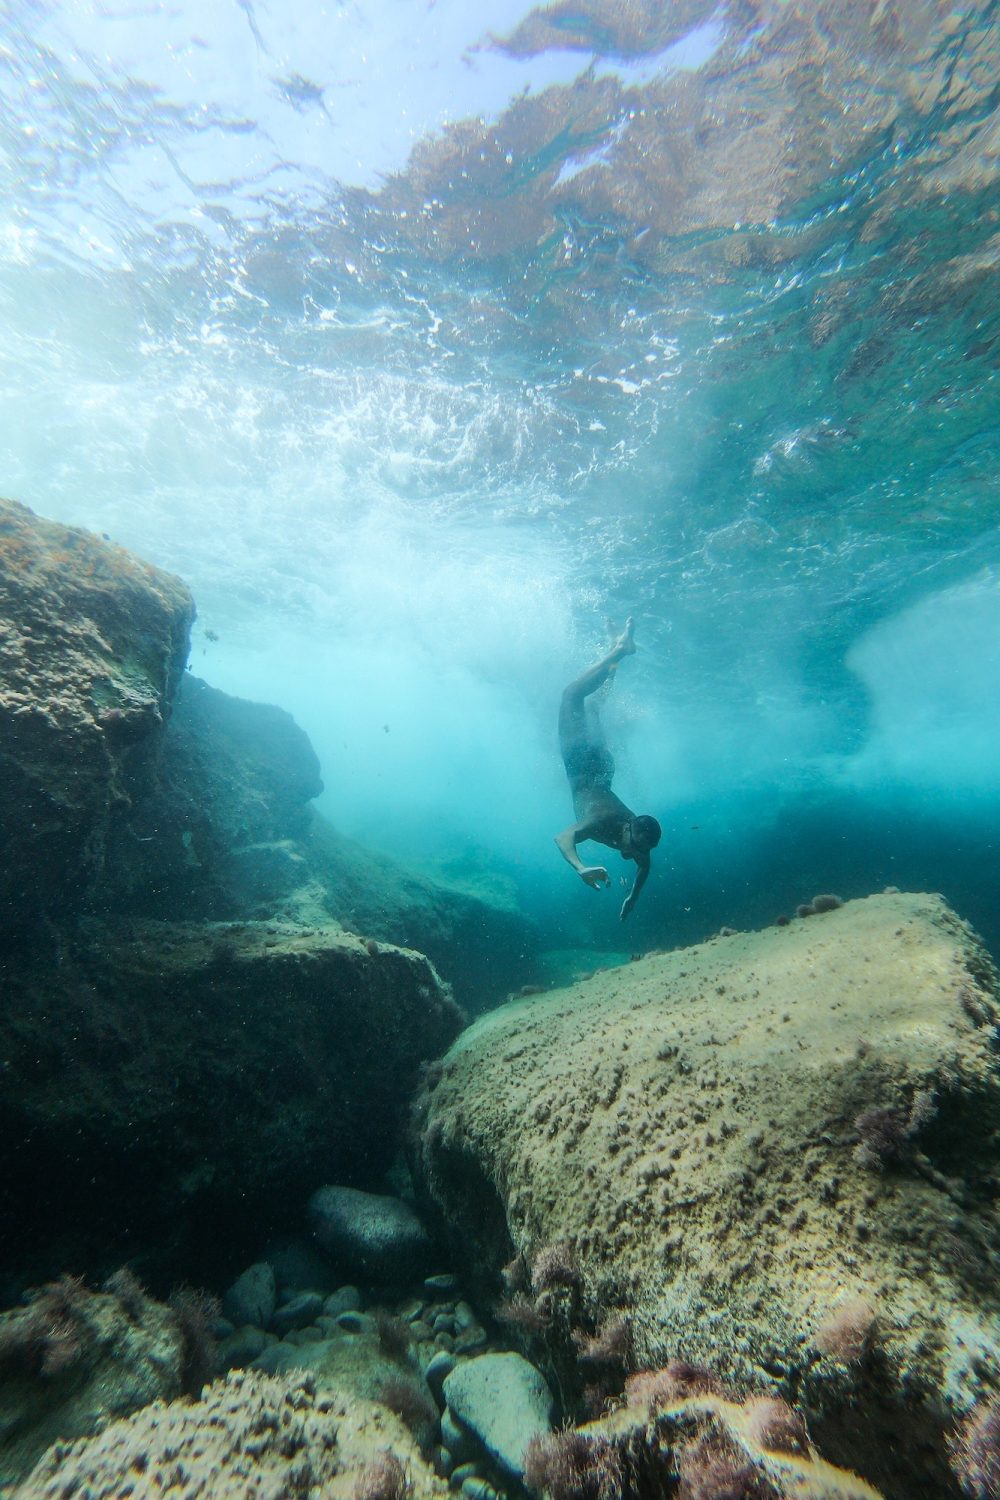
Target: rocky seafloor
<point x="277" y="1219"/>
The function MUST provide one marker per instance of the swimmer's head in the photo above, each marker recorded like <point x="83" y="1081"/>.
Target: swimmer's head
<point x="645" y="832"/>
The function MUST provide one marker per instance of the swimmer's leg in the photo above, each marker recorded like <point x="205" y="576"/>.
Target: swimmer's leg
<point x="573" y="726"/>
<point x="594" y="677"/>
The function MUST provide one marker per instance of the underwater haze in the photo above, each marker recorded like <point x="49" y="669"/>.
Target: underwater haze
<point x="428" y="341"/>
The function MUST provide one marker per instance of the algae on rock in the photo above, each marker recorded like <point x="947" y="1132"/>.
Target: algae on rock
<point x="92" y="645"/>
<point x="687" y="1128"/>
<point x="678" y="1435"/>
<point x="248" y="1435"/>
<point x="203" y="1073"/>
<point x="72" y="1359"/>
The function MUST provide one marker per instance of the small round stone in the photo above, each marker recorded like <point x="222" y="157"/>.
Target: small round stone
<point x="352" y="1322"/>
<point x="344" y="1299"/>
<point x="460" y="1443"/>
<point x="251" y="1298"/>
<point x="442" y="1284"/>
<point x="464" y="1316"/>
<point x="276" y="1360"/>
<point x="298" y="1312"/>
<point x="242" y="1346"/>
<point x="300" y="1336"/>
<point x="436" y="1371"/>
<point x="478" y="1489"/>
<point x="471" y="1340"/>
<point x="462" y="1473"/>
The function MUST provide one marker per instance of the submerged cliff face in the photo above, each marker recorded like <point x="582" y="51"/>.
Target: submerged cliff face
<point x="226" y="831"/>
<point x="131" y="786"/>
<point x="210" y="1004"/>
<point x="775" y="1155"/>
<point x="92" y="646"/>
<point x="164" y="1080"/>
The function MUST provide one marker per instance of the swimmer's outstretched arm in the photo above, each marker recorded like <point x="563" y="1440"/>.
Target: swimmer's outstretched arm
<point x="595" y="876"/>
<point x="641" y="871"/>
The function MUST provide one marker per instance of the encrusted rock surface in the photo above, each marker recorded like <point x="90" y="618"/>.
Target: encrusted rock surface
<point x="685" y="1130"/>
<point x="250" y="1435"/>
<point x="71" y="1359"/>
<point x="92" y="644"/>
<point x="715" y="1445"/>
<point x="166" y="1078"/>
<point x="472" y="929"/>
<point x="357" y="1361"/>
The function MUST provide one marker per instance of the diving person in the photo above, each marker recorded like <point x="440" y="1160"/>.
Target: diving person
<point x="600" y="815"/>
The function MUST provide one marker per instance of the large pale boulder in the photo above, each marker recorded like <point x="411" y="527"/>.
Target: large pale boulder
<point x="775" y="1154"/>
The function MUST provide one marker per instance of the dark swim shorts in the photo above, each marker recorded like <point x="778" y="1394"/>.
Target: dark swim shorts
<point x="589" y="765"/>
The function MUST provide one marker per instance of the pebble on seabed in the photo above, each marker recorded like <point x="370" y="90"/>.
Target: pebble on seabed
<point x="463" y="1472"/>
<point x="442" y="1326"/>
<point x="352" y="1322"/>
<point x="441" y="1284"/>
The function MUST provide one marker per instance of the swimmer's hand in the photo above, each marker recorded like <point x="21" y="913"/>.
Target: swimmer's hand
<point x="627" y="905"/>
<point x="595" y="876"/>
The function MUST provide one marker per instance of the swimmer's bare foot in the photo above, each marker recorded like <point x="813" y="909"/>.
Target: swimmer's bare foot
<point x="624" y="645"/>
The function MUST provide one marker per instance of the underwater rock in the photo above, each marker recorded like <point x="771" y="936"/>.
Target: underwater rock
<point x="681" y="1143"/>
<point x="130" y="786"/>
<point x="298" y="1312"/>
<point x="345" y="1299"/>
<point x="172" y="1077"/>
<point x="352" y="1321"/>
<point x="243" y="1346"/>
<point x="92" y="645"/>
<point x="309" y="1333"/>
<point x="248" y="1434"/>
<point x="472" y="929"/>
<point x="300" y="1266"/>
<point x="441" y="1284"/>
<point x="504" y="1401"/>
<point x="359" y="1363"/>
<point x="379" y="1237"/>
<point x="251" y="1297"/>
<point x="278" y="1358"/>
<point x="225" y="831"/>
<point x="440" y="1365"/>
<point x="666" y="1440"/>
<point x="72" y="1359"/>
<point x="460" y="1443"/>
<point x="214" y="834"/>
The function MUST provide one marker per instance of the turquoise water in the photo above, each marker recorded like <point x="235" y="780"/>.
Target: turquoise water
<point x="427" y="341"/>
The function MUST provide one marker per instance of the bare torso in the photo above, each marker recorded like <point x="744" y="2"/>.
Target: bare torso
<point x="600" y="815"/>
